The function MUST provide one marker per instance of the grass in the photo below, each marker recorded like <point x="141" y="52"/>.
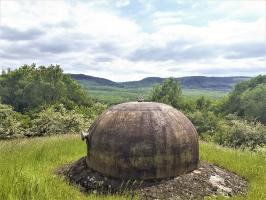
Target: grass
<point x="27" y="165"/>
<point x="250" y="165"/>
<point x="114" y="95"/>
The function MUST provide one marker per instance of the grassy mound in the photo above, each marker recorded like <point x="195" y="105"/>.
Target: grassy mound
<point x="27" y="166"/>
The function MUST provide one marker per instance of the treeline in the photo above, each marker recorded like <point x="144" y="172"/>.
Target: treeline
<point x="237" y="121"/>
<point x="37" y="101"/>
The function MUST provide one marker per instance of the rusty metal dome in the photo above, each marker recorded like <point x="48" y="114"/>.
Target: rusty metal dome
<point x="142" y="140"/>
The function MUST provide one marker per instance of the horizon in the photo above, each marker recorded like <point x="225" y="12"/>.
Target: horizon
<point x="127" y="40"/>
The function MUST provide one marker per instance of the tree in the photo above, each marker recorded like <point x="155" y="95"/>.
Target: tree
<point x="253" y="103"/>
<point x="248" y="99"/>
<point x="169" y="93"/>
<point x="30" y="87"/>
<point x="203" y="103"/>
<point x="3" y="72"/>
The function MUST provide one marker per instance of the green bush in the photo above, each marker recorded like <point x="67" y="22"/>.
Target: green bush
<point x="205" y="123"/>
<point x="58" y="120"/>
<point x="241" y="134"/>
<point x="12" y="124"/>
<point x="90" y="113"/>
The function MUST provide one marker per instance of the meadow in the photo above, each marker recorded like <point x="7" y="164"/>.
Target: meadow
<point x="115" y="95"/>
<point x="27" y="168"/>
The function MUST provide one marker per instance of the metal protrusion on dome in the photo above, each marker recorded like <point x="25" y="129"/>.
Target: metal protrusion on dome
<point x="140" y="98"/>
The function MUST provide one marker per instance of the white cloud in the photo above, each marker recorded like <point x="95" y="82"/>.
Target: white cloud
<point x="94" y="38"/>
<point x="122" y="3"/>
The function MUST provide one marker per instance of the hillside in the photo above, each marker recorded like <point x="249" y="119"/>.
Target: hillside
<point x="190" y="82"/>
<point x="94" y="81"/>
<point x="108" y="91"/>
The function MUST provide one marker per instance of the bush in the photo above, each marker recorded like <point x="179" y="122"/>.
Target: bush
<point x="205" y="123"/>
<point x="58" y="120"/>
<point x="12" y="124"/>
<point x="90" y="113"/>
<point x="241" y="134"/>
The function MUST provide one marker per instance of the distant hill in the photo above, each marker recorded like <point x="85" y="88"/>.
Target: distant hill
<point x="94" y="81"/>
<point x="189" y="82"/>
<point x="146" y="82"/>
<point x="213" y="83"/>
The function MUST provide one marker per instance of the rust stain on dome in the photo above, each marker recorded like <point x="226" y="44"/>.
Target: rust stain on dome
<point x="142" y="140"/>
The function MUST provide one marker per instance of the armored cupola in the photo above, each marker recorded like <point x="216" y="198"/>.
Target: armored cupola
<point x="142" y="140"/>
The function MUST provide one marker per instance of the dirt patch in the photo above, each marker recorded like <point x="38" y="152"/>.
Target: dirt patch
<point x="207" y="180"/>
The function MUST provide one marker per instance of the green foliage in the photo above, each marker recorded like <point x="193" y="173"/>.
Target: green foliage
<point x="203" y="103"/>
<point x="51" y="103"/>
<point x="54" y="119"/>
<point x="58" y="120"/>
<point x="205" y="123"/>
<point x="241" y="134"/>
<point x="91" y="113"/>
<point x="248" y="99"/>
<point x="169" y="93"/>
<point x="253" y="103"/>
<point x="12" y="124"/>
<point x="30" y="87"/>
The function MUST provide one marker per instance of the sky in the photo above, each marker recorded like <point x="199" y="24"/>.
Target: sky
<point x="125" y="40"/>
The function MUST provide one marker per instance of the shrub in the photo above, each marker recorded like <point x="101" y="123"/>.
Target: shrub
<point x="205" y="123"/>
<point x="12" y="124"/>
<point x="58" y="120"/>
<point x="90" y="113"/>
<point x="241" y="134"/>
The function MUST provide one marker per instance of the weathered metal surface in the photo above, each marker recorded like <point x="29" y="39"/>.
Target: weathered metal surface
<point x="142" y="140"/>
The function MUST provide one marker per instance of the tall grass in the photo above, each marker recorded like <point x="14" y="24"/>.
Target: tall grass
<point x="27" y="166"/>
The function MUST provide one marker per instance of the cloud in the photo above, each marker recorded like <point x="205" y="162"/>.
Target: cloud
<point x="183" y="52"/>
<point x="129" y="40"/>
<point x="9" y="33"/>
<point x="247" y="50"/>
<point x="103" y="59"/>
<point x="122" y="3"/>
<point x="175" y="51"/>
